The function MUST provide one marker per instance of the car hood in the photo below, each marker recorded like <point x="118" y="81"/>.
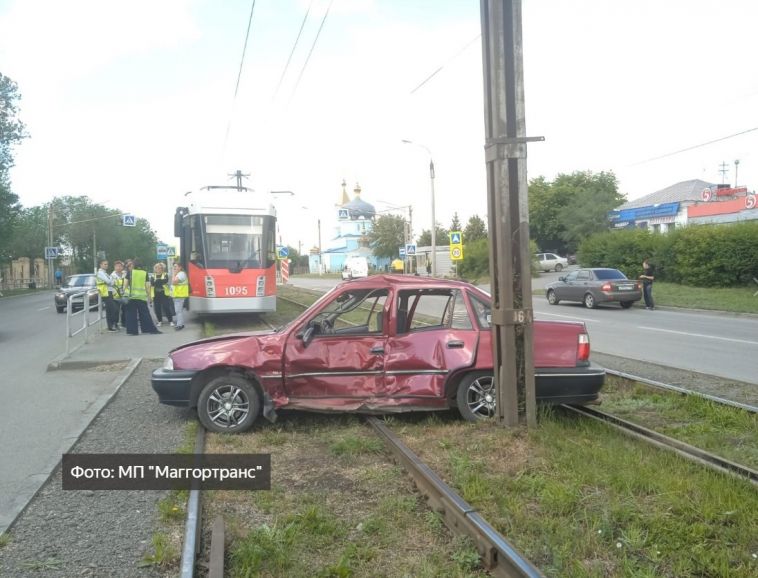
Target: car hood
<point x="251" y="349"/>
<point x="68" y="290"/>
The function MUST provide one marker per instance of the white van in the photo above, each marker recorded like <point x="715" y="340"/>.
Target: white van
<point x="355" y="267"/>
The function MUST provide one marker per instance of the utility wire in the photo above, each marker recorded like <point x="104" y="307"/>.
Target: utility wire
<point x="457" y="54"/>
<point x="694" y="147"/>
<point x="239" y="74"/>
<point x="305" y="64"/>
<point x="294" y="46"/>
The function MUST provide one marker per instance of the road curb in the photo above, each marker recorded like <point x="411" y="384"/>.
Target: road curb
<point x="72" y="364"/>
<point x="116" y="384"/>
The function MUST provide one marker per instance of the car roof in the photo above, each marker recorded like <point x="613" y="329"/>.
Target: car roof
<point x="409" y="282"/>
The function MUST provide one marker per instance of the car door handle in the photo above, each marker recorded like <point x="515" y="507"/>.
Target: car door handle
<point x="455" y="344"/>
<point x="378" y="350"/>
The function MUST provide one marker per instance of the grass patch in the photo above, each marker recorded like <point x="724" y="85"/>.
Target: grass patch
<point x="164" y="554"/>
<point x="726" y="431"/>
<point x="5" y="539"/>
<point x="357" y="515"/>
<point x="579" y="499"/>
<point x="171" y="507"/>
<point x="736" y="299"/>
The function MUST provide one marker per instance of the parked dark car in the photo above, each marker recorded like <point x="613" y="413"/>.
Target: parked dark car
<point x="381" y="344"/>
<point x="594" y="286"/>
<point x="75" y="284"/>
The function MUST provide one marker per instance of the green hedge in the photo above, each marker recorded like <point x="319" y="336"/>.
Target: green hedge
<point x="698" y="255"/>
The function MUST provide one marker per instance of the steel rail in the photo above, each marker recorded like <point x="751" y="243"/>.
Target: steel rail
<point x="498" y="555"/>
<point x="682" y="449"/>
<point x="682" y="390"/>
<point x="194" y="513"/>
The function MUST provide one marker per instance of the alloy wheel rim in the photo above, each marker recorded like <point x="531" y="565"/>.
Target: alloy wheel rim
<point x="228" y="406"/>
<point x="481" y="397"/>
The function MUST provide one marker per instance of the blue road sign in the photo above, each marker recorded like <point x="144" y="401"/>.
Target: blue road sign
<point x="161" y="251"/>
<point x="282" y="252"/>
<point x="402" y="251"/>
<point x="455" y="238"/>
<point x="410" y="249"/>
<point x="51" y="252"/>
<point x="128" y="220"/>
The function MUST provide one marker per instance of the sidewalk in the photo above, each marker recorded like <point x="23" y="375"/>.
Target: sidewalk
<point x="105" y="348"/>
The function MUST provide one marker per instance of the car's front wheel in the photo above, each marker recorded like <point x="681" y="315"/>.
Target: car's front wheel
<point x="60" y="309"/>
<point x="627" y="304"/>
<point x="477" y="396"/>
<point x="589" y="301"/>
<point x="552" y="298"/>
<point x="228" y="404"/>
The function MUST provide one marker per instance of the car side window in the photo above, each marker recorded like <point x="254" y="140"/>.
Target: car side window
<point x="426" y="309"/>
<point x="483" y="312"/>
<point x="571" y="276"/>
<point x="356" y="312"/>
<point x="583" y="276"/>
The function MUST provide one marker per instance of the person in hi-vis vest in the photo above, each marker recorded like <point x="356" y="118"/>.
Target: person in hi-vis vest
<point x="137" y="311"/>
<point x="180" y="292"/>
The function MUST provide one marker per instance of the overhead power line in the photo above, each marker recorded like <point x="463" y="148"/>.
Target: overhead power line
<point x="694" y="147"/>
<point x="305" y="64"/>
<point x="294" y="46"/>
<point x="239" y="74"/>
<point x="456" y="55"/>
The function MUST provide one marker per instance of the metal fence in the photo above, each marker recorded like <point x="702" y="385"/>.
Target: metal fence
<point x="88" y="317"/>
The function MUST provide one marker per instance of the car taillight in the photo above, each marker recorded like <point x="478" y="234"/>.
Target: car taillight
<point x="606" y="287"/>
<point x="583" y="347"/>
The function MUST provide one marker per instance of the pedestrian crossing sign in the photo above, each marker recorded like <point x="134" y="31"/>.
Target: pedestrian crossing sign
<point x="171" y="251"/>
<point x="455" y="237"/>
<point x="128" y="220"/>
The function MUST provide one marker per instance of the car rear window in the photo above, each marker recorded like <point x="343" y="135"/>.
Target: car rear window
<point x="606" y="274"/>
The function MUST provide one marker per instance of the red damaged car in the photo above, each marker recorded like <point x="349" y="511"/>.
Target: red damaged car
<point x="380" y="344"/>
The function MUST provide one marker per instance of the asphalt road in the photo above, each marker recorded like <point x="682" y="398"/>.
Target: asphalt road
<point x="42" y="412"/>
<point x="720" y="344"/>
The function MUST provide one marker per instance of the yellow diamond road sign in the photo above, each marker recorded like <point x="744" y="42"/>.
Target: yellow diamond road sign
<point x="456" y="253"/>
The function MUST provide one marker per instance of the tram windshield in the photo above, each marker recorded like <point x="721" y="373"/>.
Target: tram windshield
<point x="233" y="242"/>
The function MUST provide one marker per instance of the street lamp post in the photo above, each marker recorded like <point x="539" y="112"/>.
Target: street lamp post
<point x="434" y="220"/>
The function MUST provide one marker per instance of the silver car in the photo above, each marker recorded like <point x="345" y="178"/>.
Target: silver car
<point x="550" y="262"/>
<point x="594" y="286"/>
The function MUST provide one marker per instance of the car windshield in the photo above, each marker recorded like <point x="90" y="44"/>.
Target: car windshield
<point x="606" y="274"/>
<point x="79" y="281"/>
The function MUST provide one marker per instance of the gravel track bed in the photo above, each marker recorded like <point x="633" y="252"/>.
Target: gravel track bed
<point x="99" y="533"/>
<point x="700" y="382"/>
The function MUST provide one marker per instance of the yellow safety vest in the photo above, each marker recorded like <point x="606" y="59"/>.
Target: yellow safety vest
<point x="118" y="284"/>
<point x="139" y="278"/>
<point x="181" y="289"/>
<point x="102" y="286"/>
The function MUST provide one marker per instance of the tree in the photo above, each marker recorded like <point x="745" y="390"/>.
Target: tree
<point x="442" y="237"/>
<point x="455" y="224"/>
<point x="475" y="230"/>
<point x="387" y="236"/>
<point x="567" y="210"/>
<point x="12" y="131"/>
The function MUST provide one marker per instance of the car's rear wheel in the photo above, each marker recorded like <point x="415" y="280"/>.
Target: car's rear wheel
<point x="589" y="301"/>
<point x="627" y="304"/>
<point x="228" y="404"/>
<point x="552" y="298"/>
<point x="558" y="268"/>
<point x="477" y="396"/>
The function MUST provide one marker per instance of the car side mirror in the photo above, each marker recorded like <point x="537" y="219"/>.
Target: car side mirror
<point x="562" y="278"/>
<point x="307" y="335"/>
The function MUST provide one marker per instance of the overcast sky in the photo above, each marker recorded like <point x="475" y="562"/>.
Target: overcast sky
<point x="132" y="103"/>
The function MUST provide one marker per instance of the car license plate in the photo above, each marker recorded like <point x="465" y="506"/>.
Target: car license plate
<point x="626" y="287"/>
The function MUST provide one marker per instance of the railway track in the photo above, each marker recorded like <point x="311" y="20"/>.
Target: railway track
<point x="684" y="450"/>
<point x="682" y="390"/>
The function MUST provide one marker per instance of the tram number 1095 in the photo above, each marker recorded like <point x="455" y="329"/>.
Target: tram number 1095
<point x="234" y="291"/>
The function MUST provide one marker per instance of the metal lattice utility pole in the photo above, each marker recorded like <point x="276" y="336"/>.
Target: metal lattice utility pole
<point x="507" y="203"/>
